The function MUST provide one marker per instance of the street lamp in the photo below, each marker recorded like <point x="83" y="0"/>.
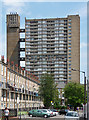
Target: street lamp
<point x="84" y="91"/>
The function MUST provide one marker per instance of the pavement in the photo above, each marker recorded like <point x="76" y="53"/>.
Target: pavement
<point x="80" y="112"/>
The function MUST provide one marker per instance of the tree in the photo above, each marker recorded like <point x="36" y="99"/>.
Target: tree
<point x="74" y="94"/>
<point x="48" y="89"/>
<point x="57" y="100"/>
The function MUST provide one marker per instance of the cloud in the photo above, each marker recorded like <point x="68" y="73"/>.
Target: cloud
<point x="14" y="3"/>
<point x="10" y="2"/>
<point x="83" y="11"/>
<point x="2" y="44"/>
<point x="14" y="9"/>
<point x="14" y="6"/>
<point x="17" y="4"/>
<point x="83" y="45"/>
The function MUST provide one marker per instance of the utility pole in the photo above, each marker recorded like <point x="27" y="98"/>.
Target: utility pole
<point x="6" y="84"/>
<point x="87" y="99"/>
<point x="84" y="97"/>
<point x="84" y="92"/>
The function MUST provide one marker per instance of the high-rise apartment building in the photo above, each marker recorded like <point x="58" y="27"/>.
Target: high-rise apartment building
<point x="53" y="45"/>
<point x="50" y="45"/>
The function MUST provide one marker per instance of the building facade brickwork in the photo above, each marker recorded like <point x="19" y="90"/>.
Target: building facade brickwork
<point x="18" y="89"/>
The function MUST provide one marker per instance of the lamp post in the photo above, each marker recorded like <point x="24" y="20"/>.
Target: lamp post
<point x="84" y="91"/>
<point x="33" y="95"/>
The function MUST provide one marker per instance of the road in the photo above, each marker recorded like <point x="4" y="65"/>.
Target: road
<point x="58" y="117"/>
<point x="25" y="117"/>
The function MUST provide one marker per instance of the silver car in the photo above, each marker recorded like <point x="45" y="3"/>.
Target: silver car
<point x="48" y="111"/>
<point x="72" y="115"/>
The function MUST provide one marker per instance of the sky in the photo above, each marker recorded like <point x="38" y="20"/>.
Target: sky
<point x="45" y="9"/>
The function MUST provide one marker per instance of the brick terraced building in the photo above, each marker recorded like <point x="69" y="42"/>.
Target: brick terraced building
<point x="18" y="89"/>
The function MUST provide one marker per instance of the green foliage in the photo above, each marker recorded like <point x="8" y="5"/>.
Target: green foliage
<point x="57" y="100"/>
<point x="48" y="90"/>
<point x="22" y="112"/>
<point x="74" y="94"/>
<point x="59" y="106"/>
<point x="56" y="106"/>
<point x="63" y="107"/>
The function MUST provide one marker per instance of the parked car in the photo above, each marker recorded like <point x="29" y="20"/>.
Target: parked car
<point x="39" y="113"/>
<point x="55" y="112"/>
<point x="72" y="115"/>
<point x="31" y="112"/>
<point x="48" y="111"/>
<point x="63" y="111"/>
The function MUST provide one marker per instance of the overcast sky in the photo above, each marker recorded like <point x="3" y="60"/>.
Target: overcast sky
<point x="44" y="9"/>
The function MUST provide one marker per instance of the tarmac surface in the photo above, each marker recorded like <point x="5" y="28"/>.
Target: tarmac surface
<point x="58" y="117"/>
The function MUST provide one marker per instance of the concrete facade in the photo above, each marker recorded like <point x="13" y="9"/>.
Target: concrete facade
<point x="13" y="27"/>
<point x="75" y="48"/>
<point x="51" y="45"/>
